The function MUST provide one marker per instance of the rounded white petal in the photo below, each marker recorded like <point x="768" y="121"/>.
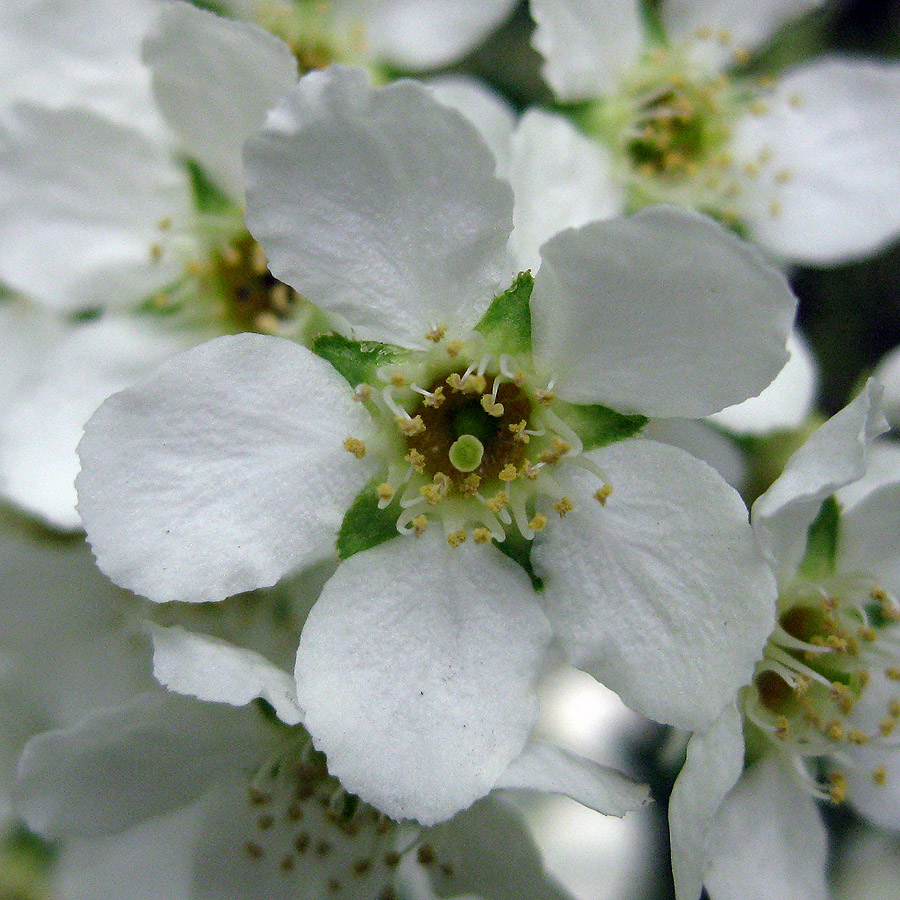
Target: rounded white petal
<point x="487" y="110"/>
<point x="417" y="671"/>
<point x="663" y="313"/>
<point x="586" y="43"/>
<point x="59" y="53"/>
<point x="661" y="594"/>
<point x="128" y="763"/>
<point x="551" y="769"/>
<point x="786" y="403"/>
<point x="222" y="472"/>
<point x="379" y="205"/>
<point x="95" y="193"/>
<point x="767" y="842"/>
<point x="882" y="467"/>
<point x="214" y="80"/>
<point x="887" y="372"/>
<point x="429" y="34"/>
<point x="561" y="179"/>
<point x="868" y="541"/>
<point x="879" y="803"/>
<point x="75" y="368"/>
<point x="833" y="133"/>
<point x="212" y="669"/>
<point x="714" y="762"/>
<point x="834" y="455"/>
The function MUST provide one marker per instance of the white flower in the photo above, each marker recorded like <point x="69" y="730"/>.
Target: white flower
<point x="247" y="457"/>
<point x="825" y="697"/>
<point x="802" y="164"/>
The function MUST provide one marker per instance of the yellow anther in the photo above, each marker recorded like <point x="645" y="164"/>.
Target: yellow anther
<point x="454" y="348"/>
<point x="280" y="297"/>
<point x="602" y="493"/>
<point x="538" y="523"/>
<point x="508" y="473"/>
<point x="529" y="471"/>
<point x="162" y="301"/>
<point x="836" y="643"/>
<point x="751" y="169"/>
<point x="802" y="684"/>
<point x="838" y="790"/>
<point x="455" y="382"/>
<point x="362" y="393"/>
<point x="835" y="731"/>
<point x="868" y="633"/>
<point x="518" y="430"/>
<point x="490" y="407"/>
<point x="766" y="82"/>
<point x="435" y="492"/>
<point x="385" y="492"/>
<point x="231" y="257"/>
<point x="858" y="737"/>
<point x="558" y="449"/>
<point x="893" y="673"/>
<point x="156" y="252"/>
<point x="259" y="262"/>
<point x="470" y="485"/>
<point x="878" y="595"/>
<point x="894" y="708"/>
<point x="165" y="223"/>
<point x="355" y="446"/>
<point x="564" y="506"/>
<point x="759" y="108"/>
<point x="741" y="56"/>
<point x="723" y="37"/>
<point x="499" y="501"/>
<point x="782" y="726"/>
<point x="544" y="396"/>
<point x="879" y="775"/>
<point x="411" y="426"/>
<point x="775" y="208"/>
<point x="481" y="535"/>
<point x="415" y="459"/>
<point x="474" y="384"/>
<point x="455" y="538"/>
<point x="435" y="399"/>
<point x="267" y="323"/>
<point x="887" y="725"/>
<point x="796" y="100"/>
<point x="399" y="380"/>
<point x="703" y="33"/>
<point x="420" y="525"/>
<point x="436" y="335"/>
<point x="783" y="176"/>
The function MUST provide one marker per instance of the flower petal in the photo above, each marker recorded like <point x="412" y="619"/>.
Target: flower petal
<point x="380" y="205"/>
<point x="714" y="762"/>
<point x="214" y="80"/>
<point x="663" y="313"/>
<point x="93" y="191"/>
<point x="586" y="43"/>
<point x="832" y="133"/>
<point x="786" y="403"/>
<point x="429" y="34"/>
<point x="833" y="456"/>
<point x="222" y="472"/>
<point x="128" y="763"/>
<point x="560" y="179"/>
<point x="868" y="536"/>
<point x="71" y="371"/>
<point x="887" y="372"/>
<point x="212" y="669"/>
<point x="416" y="651"/>
<point x="550" y="769"/>
<point x="661" y="594"/>
<point x="767" y="842"/>
<point x="882" y="466"/>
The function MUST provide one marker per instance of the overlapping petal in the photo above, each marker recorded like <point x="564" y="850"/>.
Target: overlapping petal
<point x="417" y="671"/>
<point x="379" y="205"/>
<point x="222" y="472"/>
<point x="661" y="594"/>
<point x="663" y="313"/>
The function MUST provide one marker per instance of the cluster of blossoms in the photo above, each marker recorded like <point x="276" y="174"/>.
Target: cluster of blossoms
<point x="386" y="413"/>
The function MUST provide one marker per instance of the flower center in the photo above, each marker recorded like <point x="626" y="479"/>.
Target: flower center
<point x="814" y="693"/>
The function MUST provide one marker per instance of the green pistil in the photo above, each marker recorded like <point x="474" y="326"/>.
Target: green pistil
<point x="466" y="453"/>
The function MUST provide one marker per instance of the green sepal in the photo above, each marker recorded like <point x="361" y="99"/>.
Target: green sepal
<point x="598" y="426"/>
<point x="507" y="323"/>
<point x="357" y="361"/>
<point x="518" y="549"/>
<point x="208" y="197"/>
<point x="27" y="846"/>
<point x="652" y="20"/>
<point x="822" y="541"/>
<point x="365" y="525"/>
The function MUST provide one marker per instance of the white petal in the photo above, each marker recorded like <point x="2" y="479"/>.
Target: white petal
<point x="429" y="34"/>
<point x="561" y="179"/>
<point x="417" y="671"/>
<point x="212" y="669"/>
<point x="868" y="541"/>
<point x="380" y="205"/>
<point x="786" y="403"/>
<point x="68" y="376"/>
<point x="222" y="472"/>
<point x="888" y="373"/>
<point x="746" y="26"/>
<point x="833" y="456"/>
<point x="767" y="842"/>
<point x="487" y="110"/>
<point x="663" y="313"/>
<point x="214" y="80"/>
<point x="93" y="191"/>
<point x="72" y="53"/>
<point x="661" y="594"/>
<point x="714" y="762"/>
<point x="586" y="43"/>
<point x="550" y="769"/>
<point x="879" y="803"/>
<point x="882" y="467"/>
<point x="833" y="132"/>
<point x="125" y="764"/>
